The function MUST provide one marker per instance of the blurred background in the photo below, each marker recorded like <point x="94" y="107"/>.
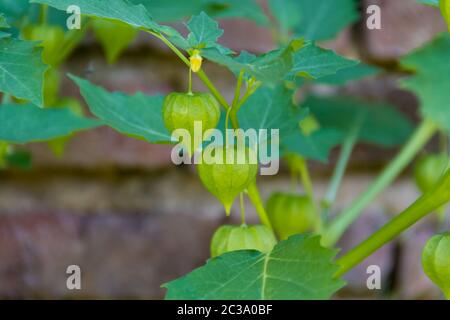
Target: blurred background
<point x="131" y="220"/>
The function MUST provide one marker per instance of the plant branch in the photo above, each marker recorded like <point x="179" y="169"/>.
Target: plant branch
<point x="421" y="136"/>
<point x="429" y="202"/>
<point x="201" y="74"/>
<point x="255" y="198"/>
<point x="341" y="166"/>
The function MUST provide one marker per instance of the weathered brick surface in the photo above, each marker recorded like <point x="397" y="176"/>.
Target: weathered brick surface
<point x="119" y="209"/>
<point x="406" y="25"/>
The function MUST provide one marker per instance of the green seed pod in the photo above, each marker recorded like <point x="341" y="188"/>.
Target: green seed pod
<point x="429" y="169"/>
<point x="182" y="110"/>
<point x="290" y="214"/>
<point x="51" y="37"/>
<point x="231" y="172"/>
<point x="231" y="238"/>
<point x="436" y="261"/>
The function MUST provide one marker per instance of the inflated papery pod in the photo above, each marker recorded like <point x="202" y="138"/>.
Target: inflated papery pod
<point x="436" y="261"/>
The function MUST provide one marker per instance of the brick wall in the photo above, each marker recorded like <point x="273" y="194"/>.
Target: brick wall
<point x="119" y="209"/>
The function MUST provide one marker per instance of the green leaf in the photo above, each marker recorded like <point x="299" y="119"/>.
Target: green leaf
<point x="204" y="31"/>
<point x="429" y="2"/>
<point x="380" y="123"/>
<point x="270" y="67"/>
<point x="315" y="62"/>
<point x="3" y="22"/>
<point x="296" y="269"/>
<point x="120" y="10"/>
<point x="316" y="146"/>
<point x="314" y="19"/>
<point x="323" y="19"/>
<point x="176" y="10"/>
<point x="286" y="12"/>
<point x="354" y="73"/>
<point x="28" y="123"/>
<point x="139" y="116"/>
<point x="114" y="37"/>
<point x="14" y="8"/>
<point x="21" y="70"/>
<point x="248" y="9"/>
<point x="271" y="108"/>
<point x="431" y="81"/>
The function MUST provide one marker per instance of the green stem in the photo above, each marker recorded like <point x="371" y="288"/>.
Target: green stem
<point x="429" y="202"/>
<point x="339" y="171"/>
<point x="241" y="196"/>
<point x="190" y="81"/>
<point x="237" y="91"/>
<point x="43" y="14"/>
<point x="421" y="136"/>
<point x="255" y="198"/>
<point x="309" y="189"/>
<point x="201" y="74"/>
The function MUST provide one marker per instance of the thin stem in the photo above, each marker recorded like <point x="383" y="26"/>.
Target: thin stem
<point x="339" y="171"/>
<point x="242" y="207"/>
<point x="429" y="202"/>
<point x="190" y="81"/>
<point x="227" y="118"/>
<point x="421" y="136"/>
<point x="237" y="91"/>
<point x="201" y="74"/>
<point x="309" y="189"/>
<point x="43" y="14"/>
<point x="255" y="198"/>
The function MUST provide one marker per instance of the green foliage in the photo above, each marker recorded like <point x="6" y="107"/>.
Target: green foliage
<point x="271" y="108"/>
<point x="315" y="146"/>
<point x="314" y="19"/>
<point x="27" y="123"/>
<point x="379" y="123"/>
<point x="431" y="82"/>
<point x="298" y="268"/>
<point x="354" y="73"/>
<point x="430" y="2"/>
<point x="204" y="31"/>
<point x="314" y="62"/>
<point x="175" y="10"/>
<point x="114" y="37"/>
<point x="139" y="116"/>
<point x="21" y="70"/>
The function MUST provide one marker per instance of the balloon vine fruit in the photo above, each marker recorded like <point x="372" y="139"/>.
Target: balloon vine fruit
<point x="429" y="169"/>
<point x="51" y="37"/>
<point x="231" y="173"/>
<point x="231" y="238"/>
<point x="436" y="261"/>
<point x="183" y="110"/>
<point x="290" y="214"/>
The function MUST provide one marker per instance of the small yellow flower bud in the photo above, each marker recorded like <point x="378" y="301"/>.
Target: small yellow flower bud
<point x="196" y="61"/>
